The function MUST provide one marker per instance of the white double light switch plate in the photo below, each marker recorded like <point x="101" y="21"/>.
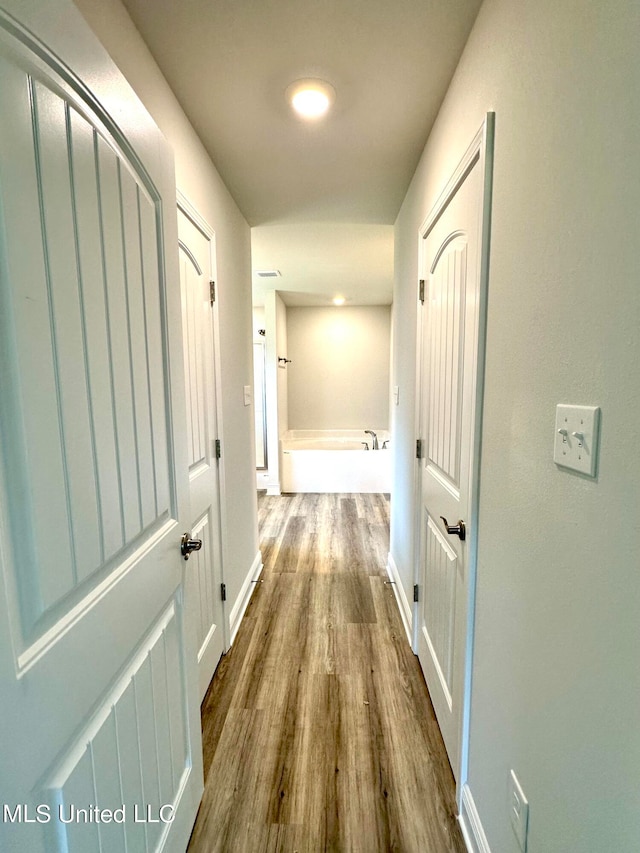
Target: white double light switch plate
<point x="518" y="811"/>
<point x="576" y="438"/>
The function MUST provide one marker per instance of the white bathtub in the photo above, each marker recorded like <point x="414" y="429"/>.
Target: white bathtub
<point x="334" y="461"/>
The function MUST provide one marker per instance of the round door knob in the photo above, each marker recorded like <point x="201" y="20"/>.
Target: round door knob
<point x="455" y="530"/>
<point x="187" y="545"/>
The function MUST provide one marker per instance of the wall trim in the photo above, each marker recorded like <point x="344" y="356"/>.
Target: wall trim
<point x="244" y="596"/>
<point x="405" y="608"/>
<point x="471" y="825"/>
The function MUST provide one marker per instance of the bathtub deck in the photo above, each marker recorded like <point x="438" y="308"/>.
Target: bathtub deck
<point x="318" y="730"/>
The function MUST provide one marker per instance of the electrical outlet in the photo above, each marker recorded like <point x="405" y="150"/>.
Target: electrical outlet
<point x="518" y="811"/>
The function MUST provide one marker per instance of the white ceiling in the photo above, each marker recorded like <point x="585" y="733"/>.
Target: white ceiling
<point x="390" y="61"/>
<point x="318" y="261"/>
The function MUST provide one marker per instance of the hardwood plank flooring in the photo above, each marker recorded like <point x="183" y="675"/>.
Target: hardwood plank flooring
<point x="318" y="730"/>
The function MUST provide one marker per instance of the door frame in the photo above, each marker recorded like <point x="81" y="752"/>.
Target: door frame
<point x="480" y="151"/>
<point x="192" y="213"/>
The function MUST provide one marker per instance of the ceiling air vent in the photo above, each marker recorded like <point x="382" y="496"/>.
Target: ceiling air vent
<point x="268" y="273"/>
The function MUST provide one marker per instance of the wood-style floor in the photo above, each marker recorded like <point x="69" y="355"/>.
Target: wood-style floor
<point x="318" y="730"/>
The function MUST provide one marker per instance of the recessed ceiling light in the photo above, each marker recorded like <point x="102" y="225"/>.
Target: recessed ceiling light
<point x="311" y="98"/>
<point x="339" y="300"/>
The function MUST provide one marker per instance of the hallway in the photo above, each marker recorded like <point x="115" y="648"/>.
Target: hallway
<point x="318" y="730"/>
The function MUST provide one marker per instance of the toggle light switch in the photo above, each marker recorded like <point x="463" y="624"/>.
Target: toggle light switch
<point x="576" y="439"/>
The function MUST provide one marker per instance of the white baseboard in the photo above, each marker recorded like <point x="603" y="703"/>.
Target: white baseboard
<point x="244" y="596"/>
<point x="472" y="831"/>
<point x="406" y="611"/>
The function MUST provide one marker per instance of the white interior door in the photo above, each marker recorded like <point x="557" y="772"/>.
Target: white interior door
<point x="204" y="575"/>
<point x="98" y="692"/>
<point x="259" y="404"/>
<point x="452" y="264"/>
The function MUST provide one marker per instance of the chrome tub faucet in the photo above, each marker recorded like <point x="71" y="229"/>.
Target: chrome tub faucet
<point x="370" y="432"/>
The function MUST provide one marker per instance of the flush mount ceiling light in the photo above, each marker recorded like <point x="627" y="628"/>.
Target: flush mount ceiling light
<point x="311" y="98"/>
<point x="339" y="300"/>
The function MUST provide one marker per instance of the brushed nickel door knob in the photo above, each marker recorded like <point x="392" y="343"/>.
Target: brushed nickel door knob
<point x="187" y="545"/>
<point x="455" y="530"/>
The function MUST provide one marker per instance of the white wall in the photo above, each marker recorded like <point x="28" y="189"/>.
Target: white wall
<point x="556" y="681"/>
<point x="258" y="322"/>
<point x="198" y="179"/>
<point x="339" y="375"/>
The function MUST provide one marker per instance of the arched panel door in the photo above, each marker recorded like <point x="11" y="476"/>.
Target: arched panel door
<point x="204" y="579"/>
<point x="98" y="693"/>
<point x="454" y="256"/>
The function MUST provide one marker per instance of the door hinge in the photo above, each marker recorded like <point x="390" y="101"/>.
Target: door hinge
<point x="422" y="291"/>
<point x="223" y="591"/>
<point x="415" y="592"/>
<point x="218" y="449"/>
<point x="212" y="292"/>
<point x="418" y="448"/>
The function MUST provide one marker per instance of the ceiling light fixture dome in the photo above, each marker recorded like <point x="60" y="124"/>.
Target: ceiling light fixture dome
<point x="311" y="98"/>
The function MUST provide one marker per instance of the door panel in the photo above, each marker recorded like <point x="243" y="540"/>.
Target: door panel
<point x="143" y="713"/>
<point x="95" y="332"/>
<point x="205" y="566"/>
<point x="98" y="697"/>
<point x="70" y="365"/>
<point x="445" y="332"/>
